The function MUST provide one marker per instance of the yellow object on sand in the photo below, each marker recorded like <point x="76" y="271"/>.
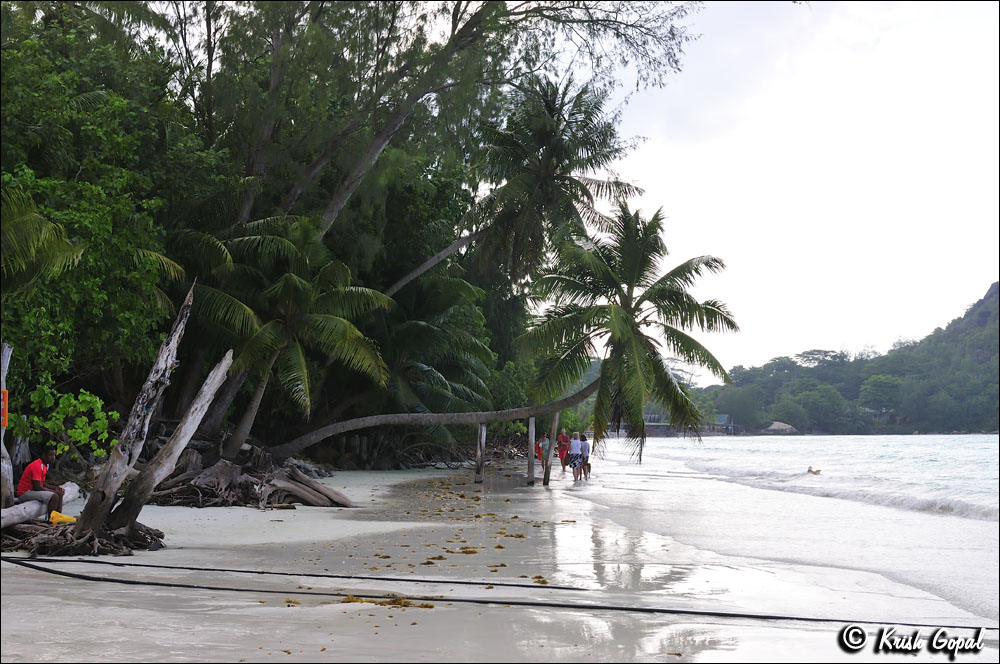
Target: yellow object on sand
<point x="57" y="518"/>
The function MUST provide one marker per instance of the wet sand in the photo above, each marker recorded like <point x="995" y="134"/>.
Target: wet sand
<point x="595" y="590"/>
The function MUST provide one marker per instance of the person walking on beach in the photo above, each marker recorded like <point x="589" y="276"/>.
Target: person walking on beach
<point x="574" y="456"/>
<point x="542" y="446"/>
<point x="33" y="487"/>
<point x="563" y="441"/>
<point x="585" y="449"/>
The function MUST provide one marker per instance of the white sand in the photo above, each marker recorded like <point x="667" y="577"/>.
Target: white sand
<point x="399" y="527"/>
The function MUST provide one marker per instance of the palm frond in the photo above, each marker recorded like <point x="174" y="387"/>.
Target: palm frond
<point x="222" y="308"/>
<point x="292" y="371"/>
<point x="164" y="265"/>
<point x="339" y="340"/>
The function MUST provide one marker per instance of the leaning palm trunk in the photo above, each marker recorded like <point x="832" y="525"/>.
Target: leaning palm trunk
<point x="427" y="419"/>
<point x="212" y="423"/>
<point x="434" y="260"/>
<point x="232" y="446"/>
<point x="130" y="442"/>
<point x="157" y="470"/>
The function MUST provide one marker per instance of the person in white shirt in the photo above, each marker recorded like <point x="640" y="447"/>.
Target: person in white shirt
<point x="575" y="456"/>
<point x="585" y="450"/>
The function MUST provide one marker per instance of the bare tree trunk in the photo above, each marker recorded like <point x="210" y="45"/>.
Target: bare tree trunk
<point x="547" y="464"/>
<point x="531" y="451"/>
<point x="7" y="466"/>
<point x="157" y="470"/>
<point x="428" y="419"/>
<point x="232" y="446"/>
<point x="130" y="442"/>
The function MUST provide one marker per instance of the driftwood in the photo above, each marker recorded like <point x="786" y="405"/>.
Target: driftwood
<point x="289" y="483"/>
<point x="163" y="464"/>
<point x="133" y="436"/>
<point x="35" y="508"/>
<point x="46" y="540"/>
<point x="188" y="461"/>
<point x="221" y="485"/>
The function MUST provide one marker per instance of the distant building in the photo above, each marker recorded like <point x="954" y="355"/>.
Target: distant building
<point x="722" y="424"/>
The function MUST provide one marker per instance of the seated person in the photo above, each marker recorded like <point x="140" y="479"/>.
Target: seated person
<point x="33" y="487"/>
<point x="813" y="472"/>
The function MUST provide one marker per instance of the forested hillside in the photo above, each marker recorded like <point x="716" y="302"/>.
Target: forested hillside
<point x="946" y="382"/>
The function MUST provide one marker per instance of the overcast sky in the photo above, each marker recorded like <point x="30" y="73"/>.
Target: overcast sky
<point x="841" y="158"/>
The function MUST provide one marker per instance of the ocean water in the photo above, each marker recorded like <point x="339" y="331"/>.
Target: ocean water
<point x="953" y="474"/>
<point x="918" y="510"/>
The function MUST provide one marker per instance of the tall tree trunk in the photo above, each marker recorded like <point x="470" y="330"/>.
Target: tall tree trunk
<point x="212" y="423"/>
<point x="157" y="470"/>
<point x="232" y="446"/>
<point x="191" y="374"/>
<point x="130" y="442"/>
<point x="433" y="76"/>
<point x="318" y="164"/>
<point x="552" y="446"/>
<point x="434" y="260"/>
<point x="428" y="419"/>
<point x="7" y="466"/>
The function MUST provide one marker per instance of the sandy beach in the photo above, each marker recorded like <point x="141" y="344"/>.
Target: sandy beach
<point x="497" y="572"/>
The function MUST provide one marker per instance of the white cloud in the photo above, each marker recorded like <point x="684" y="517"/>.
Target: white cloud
<point x="842" y="158"/>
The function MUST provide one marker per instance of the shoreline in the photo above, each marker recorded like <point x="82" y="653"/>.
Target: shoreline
<point x="438" y="528"/>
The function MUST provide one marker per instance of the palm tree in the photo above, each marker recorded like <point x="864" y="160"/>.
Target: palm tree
<point x="304" y="300"/>
<point x="543" y="163"/>
<point x="33" y="246"/>
<point x="605" y="291"/>
<point x="436" y="361"/>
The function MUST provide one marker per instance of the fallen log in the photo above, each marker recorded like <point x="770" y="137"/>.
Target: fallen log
<point x="35" y="508"/>
<point x="290" y="482"/>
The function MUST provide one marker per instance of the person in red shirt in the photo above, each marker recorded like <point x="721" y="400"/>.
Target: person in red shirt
<point x="33" y="487"/>
<point x="563" y="441"/>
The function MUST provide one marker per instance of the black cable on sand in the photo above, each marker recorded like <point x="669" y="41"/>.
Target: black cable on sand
<point x="458" y="600"/>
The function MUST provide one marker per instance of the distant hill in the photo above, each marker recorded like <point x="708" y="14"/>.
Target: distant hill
<point x="946" y="382"/>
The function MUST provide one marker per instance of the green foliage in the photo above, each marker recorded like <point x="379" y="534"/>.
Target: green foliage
<point x="61" y="420"/>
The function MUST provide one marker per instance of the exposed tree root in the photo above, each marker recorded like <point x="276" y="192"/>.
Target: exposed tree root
<point x="44" y="540"/>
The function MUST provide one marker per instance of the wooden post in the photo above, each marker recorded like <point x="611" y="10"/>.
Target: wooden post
<point x="7" y="483"/>
<point x="531" y="451"/>
<point x="552" y="447"/>
<point x="480" y="453"/>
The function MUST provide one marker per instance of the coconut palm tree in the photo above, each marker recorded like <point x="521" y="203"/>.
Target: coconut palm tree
<point x="436" y="361"/>
<point x="602" y="291"/>
<point x="304" y="300"/>
<point x="544" y="164"/>
<point x="606" y="292"/>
